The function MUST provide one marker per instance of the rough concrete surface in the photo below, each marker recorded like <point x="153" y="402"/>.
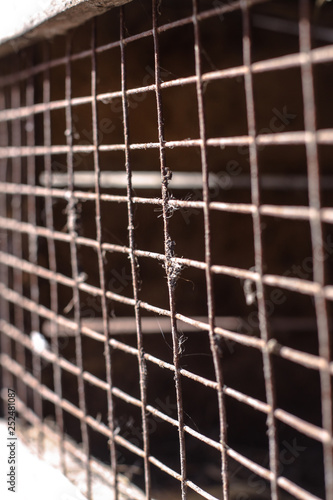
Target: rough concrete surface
<point x="23" y="21"/>
<point x="34" y="478"/>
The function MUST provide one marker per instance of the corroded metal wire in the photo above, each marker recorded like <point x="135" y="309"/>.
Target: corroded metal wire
<point x="72" y="227"/>
<point x="135" y="266"/>
<point x="21" y="270"/>
<point x="107" y="346"/>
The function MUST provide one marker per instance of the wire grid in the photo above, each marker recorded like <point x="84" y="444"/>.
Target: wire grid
<point x="20" y="238"/>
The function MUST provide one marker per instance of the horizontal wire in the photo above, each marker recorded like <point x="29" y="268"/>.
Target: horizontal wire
<point x="324" y="136"/>
<point x="318" y="55"/>
<point x="281" y="211"/>
<point x="259" y="470"/>
<point x="285" y="282"/>
<point x="299" y="424"/>
<point x="34" y="384"/>
<point x="39" y="68"/>
<point x="240" y="338"/>
<point x="313" y="289"/>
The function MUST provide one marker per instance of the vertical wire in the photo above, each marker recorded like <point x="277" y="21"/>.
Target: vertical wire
<point x="54" y="303"/>
<point x="258" y="252"/>
<point x="169" y="254"/>
<point x="5" y="343"/>
<point x="309" y="107"/>
<point x="71" y="217"/>
<point x="134" y="266"/>
<point x="33" y="245"/>
<point x="208" y="261"/>
<point x="17" y="239"/>
<point x="107" y="347"/>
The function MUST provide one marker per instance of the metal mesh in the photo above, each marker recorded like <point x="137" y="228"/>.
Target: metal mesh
<point x="46" y="227"/>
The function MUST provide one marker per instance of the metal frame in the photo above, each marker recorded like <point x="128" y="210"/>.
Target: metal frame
<point x="15" y="304"/>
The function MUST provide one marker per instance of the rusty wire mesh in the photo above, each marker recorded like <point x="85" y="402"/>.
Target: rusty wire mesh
<point x="43" y="225"/>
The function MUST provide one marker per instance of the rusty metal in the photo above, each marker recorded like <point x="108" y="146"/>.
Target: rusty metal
<point x="25" y="185"/>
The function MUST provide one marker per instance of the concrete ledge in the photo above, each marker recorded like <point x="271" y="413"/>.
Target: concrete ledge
<point x="38" y="469"/>
<point x="23" y="22"/>
<point x="34" y="478"/>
